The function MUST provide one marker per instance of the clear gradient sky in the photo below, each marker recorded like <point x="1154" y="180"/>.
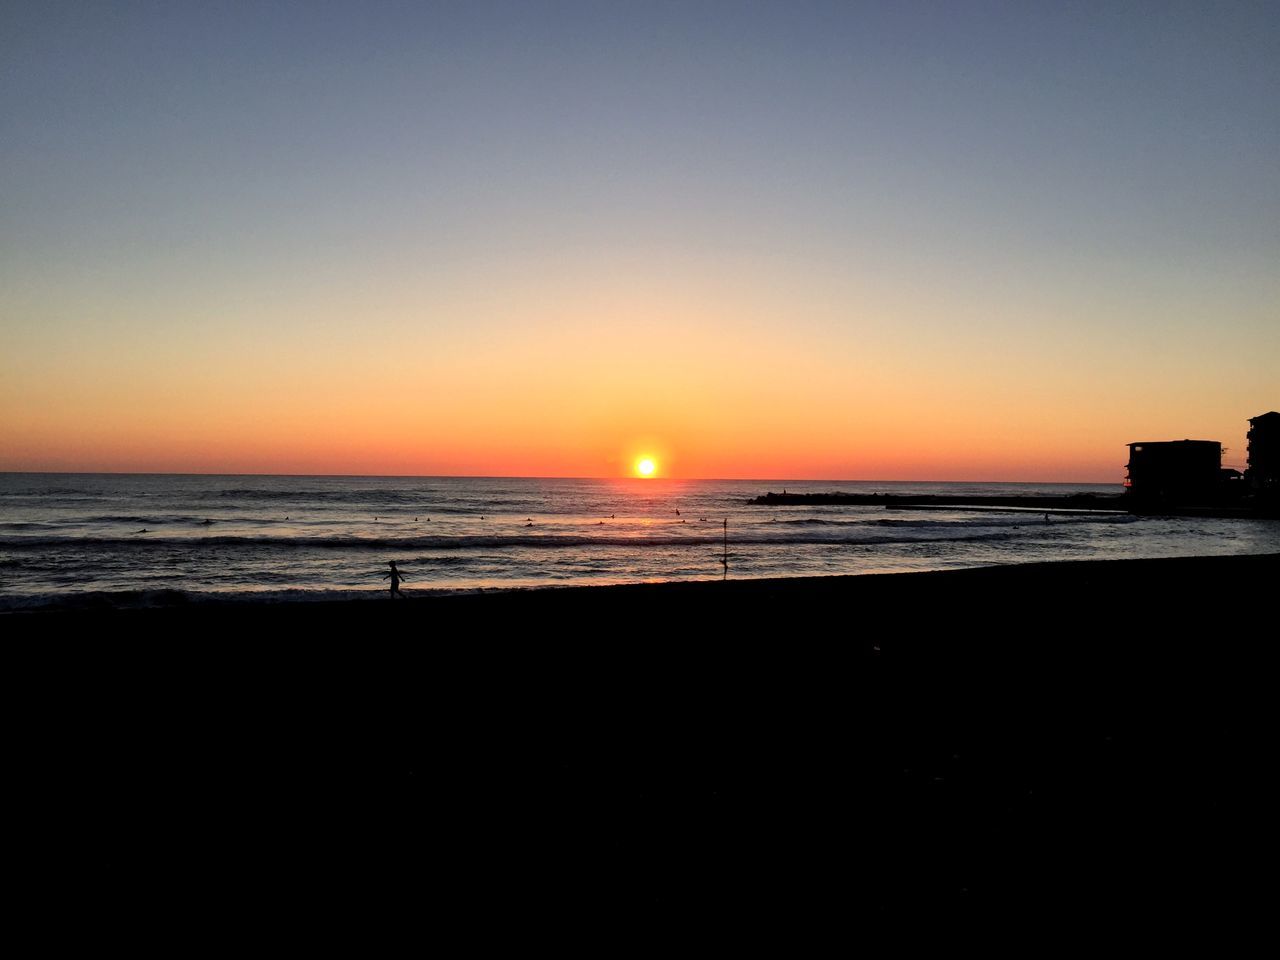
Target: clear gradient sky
<point x="950" y="240"/>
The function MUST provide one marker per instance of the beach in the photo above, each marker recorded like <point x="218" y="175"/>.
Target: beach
<point x="1056" y="737"/>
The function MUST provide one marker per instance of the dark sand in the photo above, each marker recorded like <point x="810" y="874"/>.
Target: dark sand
<point x="1081" y="740"/>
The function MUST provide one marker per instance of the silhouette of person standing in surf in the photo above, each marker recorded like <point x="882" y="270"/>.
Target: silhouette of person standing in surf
<point x="396" y="576"/>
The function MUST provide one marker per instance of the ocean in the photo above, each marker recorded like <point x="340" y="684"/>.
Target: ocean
<point x="146" y="539"/>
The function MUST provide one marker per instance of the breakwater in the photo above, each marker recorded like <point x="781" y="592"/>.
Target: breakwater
<point x="1110" y="503"/>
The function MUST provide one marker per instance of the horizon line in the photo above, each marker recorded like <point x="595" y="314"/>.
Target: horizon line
<point x="467" y="476"/>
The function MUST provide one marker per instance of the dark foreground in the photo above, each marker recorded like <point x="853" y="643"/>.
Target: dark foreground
<point x="1077" y="740"/>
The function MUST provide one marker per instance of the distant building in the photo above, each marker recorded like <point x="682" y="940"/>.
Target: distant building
<point x="1175" y="471"/>
<point x="1263" y="472"/>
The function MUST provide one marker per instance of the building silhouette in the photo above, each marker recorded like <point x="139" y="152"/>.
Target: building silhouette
<point x="1174" y="471"/>
<point x="1263" y="472"/>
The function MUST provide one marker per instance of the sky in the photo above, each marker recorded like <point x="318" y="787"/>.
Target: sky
<point x="944" y="241"/>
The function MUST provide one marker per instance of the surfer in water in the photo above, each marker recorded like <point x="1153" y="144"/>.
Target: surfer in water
<point x="396" y="576"/>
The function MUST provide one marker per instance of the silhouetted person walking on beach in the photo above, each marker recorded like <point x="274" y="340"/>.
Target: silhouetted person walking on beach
<point x="396" y="577"/>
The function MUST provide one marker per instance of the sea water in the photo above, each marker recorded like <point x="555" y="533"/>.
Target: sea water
<point x="147" y="538"/>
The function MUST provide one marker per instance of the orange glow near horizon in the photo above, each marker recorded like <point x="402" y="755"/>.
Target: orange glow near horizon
<point x="727" y="393"/>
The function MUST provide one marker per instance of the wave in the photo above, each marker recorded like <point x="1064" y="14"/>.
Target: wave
<point x="356" y="498"/>
<point x="153" y="519"/>
<point x="1030" y="518"/>
<point x="144" y="543"/>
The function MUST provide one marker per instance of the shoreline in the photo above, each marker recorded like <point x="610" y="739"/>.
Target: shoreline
<point x="1100" y="574"/>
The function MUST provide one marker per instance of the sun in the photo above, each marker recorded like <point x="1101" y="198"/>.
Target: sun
<point x="645" y="467"/>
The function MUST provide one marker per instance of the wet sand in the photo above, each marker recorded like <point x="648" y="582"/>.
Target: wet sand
<point x="1079" y="739"/>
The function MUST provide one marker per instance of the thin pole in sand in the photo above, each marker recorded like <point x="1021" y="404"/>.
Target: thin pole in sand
<point x="725" y="560"/>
